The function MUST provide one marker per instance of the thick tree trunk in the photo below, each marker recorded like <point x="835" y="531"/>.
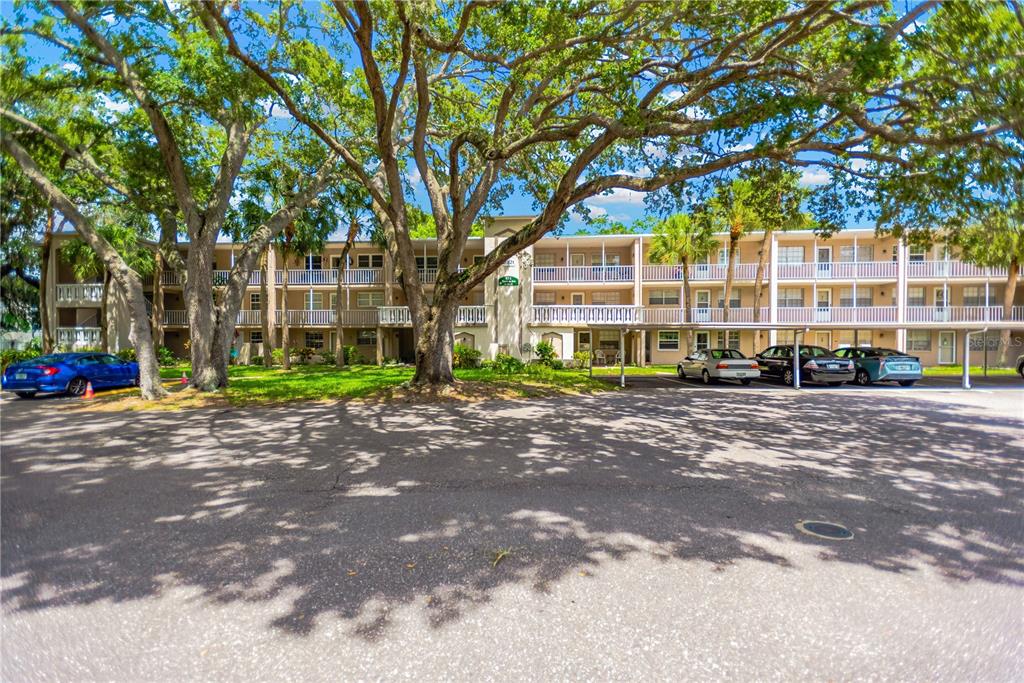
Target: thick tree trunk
<point x="285" y="341"/>
<point x="158" y="301"/>
<point x="46" y="330"/>
<point x="762" y="264"/>
<point x="105" y="313"/>
<point x="733" y="246"/>
<point x="268" y="326"/>
<point x="1009" y="293"/>
<point x="140" y="335"/>
<point x="434" y="341"/>
<point x="201" y="321"/>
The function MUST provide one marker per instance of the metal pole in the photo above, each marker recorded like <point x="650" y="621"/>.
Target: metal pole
<point x="796" y="359"/>
<point x="590" y="351"/>
<point x="984" y="341"/>
<point x="965" y="380"/>
<point x="622" y="357"/>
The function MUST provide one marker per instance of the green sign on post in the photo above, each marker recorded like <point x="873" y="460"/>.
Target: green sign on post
<point x="508" y="281"/>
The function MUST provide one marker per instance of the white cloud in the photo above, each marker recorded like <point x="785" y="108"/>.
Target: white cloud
<point x="413" y="176"/>
<point x="696" y="113"/>
<point x="618" y="197"/>
<point x="597" y="211"/>
<point x="814" y="175"/>
<point x="73" y="68"/>
<point x="672" y="95"/>
<point x="742" y="147"/>
<point x="274" y="108"/>
<point x="114" y="105"/>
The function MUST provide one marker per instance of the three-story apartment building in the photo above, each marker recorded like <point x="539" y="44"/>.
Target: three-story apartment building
<point x="601" y="295"/>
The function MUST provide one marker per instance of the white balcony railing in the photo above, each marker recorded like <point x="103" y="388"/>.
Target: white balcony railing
<point x="174" y="318"/>
<point x="717" y="315"/>
<point x="325" y="318"/>
<point x="837" y="314"/>
<point x="170" y="278"/>
<point x="957" y="314"/>
<point x="354" y="276"/>
<point x="398" y="316"/>
<point x="83" y="293"/>
<point x="586" y="315"/>
<point x="249" y="318"/>
<point x="583" y="273"/>
<point x="78" y="337"/>
<point x="700" y="272"/>
<point x="951" y="269"/>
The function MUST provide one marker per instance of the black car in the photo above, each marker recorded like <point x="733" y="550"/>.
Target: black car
<point x="817" y="364"/>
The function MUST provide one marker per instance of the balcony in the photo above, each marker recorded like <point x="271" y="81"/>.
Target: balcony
<point x="399" y="316"/>
<point x="586" y="315"/>
<point x="838" y="314"/>
<point x="708" y="315"/>
<point x="174" y="318"/>
<point x="700" y="272"/>
<point x="950" y="269"/>
<point x="79" y="294"/>
<point x="594" y="274"/>
<point x="354" y="276"/>
<point x="325" y="318"/>
<point x="78" y="337"/>
<point x="961" y="314"/>
<point x="834" y="270"/>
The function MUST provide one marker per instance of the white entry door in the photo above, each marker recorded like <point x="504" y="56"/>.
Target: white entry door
<point x="947" y="348"/>
<point x="823" y="312"/>
<point x="824" y="261"/>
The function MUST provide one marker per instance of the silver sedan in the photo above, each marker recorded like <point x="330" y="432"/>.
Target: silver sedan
<point x="712" y="365"/>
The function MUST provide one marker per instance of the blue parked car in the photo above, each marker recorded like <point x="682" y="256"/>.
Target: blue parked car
<point x="69" y="372"/>
<point x="882" y="365"/>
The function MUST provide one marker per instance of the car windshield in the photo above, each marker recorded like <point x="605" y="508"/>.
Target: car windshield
<point x="814" y="351"/>
<point x="718" y="354"/>
<point x="47" y="360"/>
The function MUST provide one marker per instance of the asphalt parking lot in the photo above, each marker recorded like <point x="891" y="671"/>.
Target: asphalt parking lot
<point x="627" y="535"/>
<point x="666" y="380"/>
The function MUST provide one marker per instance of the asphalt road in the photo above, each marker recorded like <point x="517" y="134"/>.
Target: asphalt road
<point x="645" y="534"/>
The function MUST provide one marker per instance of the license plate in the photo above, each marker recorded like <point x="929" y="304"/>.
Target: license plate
<point x="901" y="367"/>
<point x="741" y="374"/>
<point x="831" y="366"/>
<point x="20" y="375"/>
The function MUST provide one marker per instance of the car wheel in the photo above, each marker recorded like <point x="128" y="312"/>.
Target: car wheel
<point x="706" y="376"/>
<point x="679" y="372"/>
<point x="745" y="382"/>
<point x="1020" y="370"/>
<point x="863" y="378"/>
<point x="136" y="381"/>
<point x="25" y="394"/>
<point x="787" y="377"/>
<point x="907" y="382"/>
<point x="76" y="387"/>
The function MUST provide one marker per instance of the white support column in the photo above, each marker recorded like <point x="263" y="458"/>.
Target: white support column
<point x="986" y="300"/>
<point x="773" y="290"/>
<point x="604" y="262"/>
<point x="622" y="357"/>
<point x="901" y="294"/>
<point x="638" y="252"/>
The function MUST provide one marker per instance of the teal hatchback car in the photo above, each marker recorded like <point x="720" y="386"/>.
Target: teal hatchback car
<point x="882" y="365"/>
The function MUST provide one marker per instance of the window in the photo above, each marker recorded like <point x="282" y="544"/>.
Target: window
<point x="734" y="302"/>
<point x="974" y="296"/>
<point x="314" y="301"/>
<point x="426" y="263"/>
<point x="544" y="260"/>
<point x="334" y="301"/>
<point x="864" y="253"/>
<point x="732" y="354"/>
<point x="941" y="295"/>
<point x="791" y="254"/>
<point x="723" y="255"/>
<point x="370" y="261"/>
<point x="605" y="298"/>
<point x="315" y="340"/>
<point x="915" y="296"/>
<point x="729" y="339"/>
<point x="919" y="340"/>
<point x="366" y="337"/>
<point x="254" y="301"/>
<point x="865" y="296"/>
<point x="791" y="297"/>
<point x="314" y="262"/>
<point x="917" y="254"/>
<point x="702" y="341"/>
<point x="544" y="298"/>
<point x="577" y="298"/>
<point x="369" y="299"/>
<point x="256" y="337"/>
<point x="663" y="297"/>
<point x="848" y="338"/>
<point x="785" y="336"/>
<point x="668" y="340"/>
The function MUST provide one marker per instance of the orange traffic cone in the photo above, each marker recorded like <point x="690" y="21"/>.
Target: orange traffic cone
<point x="184" y="377"/>
<point x="88" y="391"/>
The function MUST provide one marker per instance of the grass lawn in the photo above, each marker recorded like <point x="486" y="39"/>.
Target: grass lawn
<point x="605" y="370"/>
<point x="957" y="370"/>
<point x="259" y="385"/>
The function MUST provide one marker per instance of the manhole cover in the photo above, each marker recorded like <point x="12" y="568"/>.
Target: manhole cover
<point x="829" y="530"/>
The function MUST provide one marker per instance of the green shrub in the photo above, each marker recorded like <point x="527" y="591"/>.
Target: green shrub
<point x="557" y="364"/>
<point x="353" y="357"/>
<point x="304" y="353"/>
<point x="127" y="354"/>
<point x="581" y="359"/>
<point x="465" y="356"/>
<point x="507" y="365"/>
<point x="545" y="351"/>
<point x="164" y="356"/>
<point x="278" y="356"/>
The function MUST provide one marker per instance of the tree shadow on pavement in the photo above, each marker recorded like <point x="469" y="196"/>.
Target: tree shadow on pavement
<point x="353" y="509"/>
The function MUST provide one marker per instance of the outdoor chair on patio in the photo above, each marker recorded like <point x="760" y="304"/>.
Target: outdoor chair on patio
<point x="599" y="358"/>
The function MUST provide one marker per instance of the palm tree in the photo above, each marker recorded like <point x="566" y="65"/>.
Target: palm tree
<point x="681" y="240"/>
<point x="997" y="240"/>
<point x="733" y="210"/>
